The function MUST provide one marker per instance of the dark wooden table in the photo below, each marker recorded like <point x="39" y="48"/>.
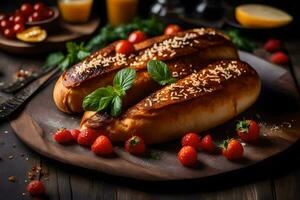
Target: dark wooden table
<point x="277" y="178"/>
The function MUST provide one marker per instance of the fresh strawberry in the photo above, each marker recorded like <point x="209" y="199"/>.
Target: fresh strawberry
<point x="279" y="58"/>
<point x="102" y="146"/>
<point x="75" y="133"/>
<point x="207" y="144"/>
<point x="188" y="156"/>
<point x="191" y="139"/>
<point x="135" y="145"/>
<point x="272" y="45"/>
<point x="248" y="130"/>
<point x="36" y="187"/>
<point x="232" y="149"/>
<point x="63" y="136"/>
<point x="87" y="137"/>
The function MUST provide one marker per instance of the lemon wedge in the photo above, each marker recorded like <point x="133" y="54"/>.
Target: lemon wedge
<point x="261" y="16"/>
<point x="33" y="34"/>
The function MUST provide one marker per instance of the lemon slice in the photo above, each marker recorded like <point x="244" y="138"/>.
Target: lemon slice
<point x="33" y="34"/>
<point x="261" y="16"/>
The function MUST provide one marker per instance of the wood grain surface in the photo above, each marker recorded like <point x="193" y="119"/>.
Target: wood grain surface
<point x="278" y="178"/>
<point x="277" y="110"/>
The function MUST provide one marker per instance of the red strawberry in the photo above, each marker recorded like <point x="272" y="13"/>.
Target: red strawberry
<point x="191" y="139"/>
<point x="87" y="137"/>
<point x="207" y="144"/>
<point x="232" y="149"/>
<point x="63" y="136"/>
<point x="135" y="145"/>
<point x="279" y="58"/>
<point x="188" y="156"/>
<point x="102" y="146"/>
<point x="272" y="45"/>
<point x="75" y="133"/>
<point x="36" y="187"/>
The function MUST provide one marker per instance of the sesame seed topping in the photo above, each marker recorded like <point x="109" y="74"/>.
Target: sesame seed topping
<point x="198" y="83"/>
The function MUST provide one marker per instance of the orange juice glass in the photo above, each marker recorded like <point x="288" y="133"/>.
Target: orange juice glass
<point x="76" y="11"/>
<point x="121" y="11"/>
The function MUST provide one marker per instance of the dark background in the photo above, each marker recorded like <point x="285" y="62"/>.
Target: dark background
<point x="291" y="6"/>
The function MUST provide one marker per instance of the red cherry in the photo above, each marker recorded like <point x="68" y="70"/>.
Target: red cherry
<point x="4" y="24"/>
<point x="36" y="16"/>
<point x="39" y="7"/>
<point x="2" y="16"/>
<point x="48" y="13"/>
<point x="26" y="9"/>
<point x="9" y="33"/>
<point x="30" y="19"/>
<point x="11" y="19"/>
<point x="18" y="28"/>
<point x="19" y="19"/>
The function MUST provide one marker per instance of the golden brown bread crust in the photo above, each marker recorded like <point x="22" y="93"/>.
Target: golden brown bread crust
<point x="195" y="103"/>
<point x="184" y="52"/>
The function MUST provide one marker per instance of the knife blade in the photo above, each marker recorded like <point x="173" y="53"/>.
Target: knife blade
<point x="10" y="106"/>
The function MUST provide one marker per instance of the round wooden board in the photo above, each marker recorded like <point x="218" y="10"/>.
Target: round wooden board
<point x="277" y="110"/>
<point x="61" y="33"/>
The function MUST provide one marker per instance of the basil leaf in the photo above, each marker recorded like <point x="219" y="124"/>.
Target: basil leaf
<point x="65" y="63"/>
<point x="71" y="47"/>
<point x="116" y="108"/>
<point x="160" y="72"/>
<point x="54" y="59"/>
<point x="241" y="42"/>
<point x="82" y="54"/>
<point x="125" y="78"/>
<point x="98" y="100"/>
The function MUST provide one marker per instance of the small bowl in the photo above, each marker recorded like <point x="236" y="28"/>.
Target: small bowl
<point x="47" y="24"/>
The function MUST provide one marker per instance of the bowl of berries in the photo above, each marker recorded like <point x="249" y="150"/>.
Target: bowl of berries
<point x="27" y="16"/>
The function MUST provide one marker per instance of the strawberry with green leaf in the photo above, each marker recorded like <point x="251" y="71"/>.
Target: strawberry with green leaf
<point x="135" y="145"/>
<point x="232" y="149"/>
<point x="248" y="130"/>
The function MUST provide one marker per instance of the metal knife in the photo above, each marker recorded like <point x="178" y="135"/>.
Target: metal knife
<point x="10" y="106"/>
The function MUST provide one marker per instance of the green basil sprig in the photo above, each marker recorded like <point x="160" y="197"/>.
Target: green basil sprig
<point x="110" y="98"/>
<point x="75" y="53"/>
<point x="160" y="72"/>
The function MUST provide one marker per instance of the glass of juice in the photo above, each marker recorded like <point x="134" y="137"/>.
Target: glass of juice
<point x="75" y="11"/>
<point x="121" y="11"/>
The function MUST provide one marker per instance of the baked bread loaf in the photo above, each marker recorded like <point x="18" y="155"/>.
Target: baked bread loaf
<point x="198" y="102"/>
<point x="184" y="52"/>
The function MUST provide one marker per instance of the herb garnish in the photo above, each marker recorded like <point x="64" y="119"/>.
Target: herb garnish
<point x="75" y="53"/>
<point x="160" y="72"/>
<point x="107" y="34"/>
<point x="110" y="98"/>
<point x="239" y="41"/>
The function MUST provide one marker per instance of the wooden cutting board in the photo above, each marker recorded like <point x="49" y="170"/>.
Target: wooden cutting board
<point x="56" y="39"/>
<point x="277" y="110"/>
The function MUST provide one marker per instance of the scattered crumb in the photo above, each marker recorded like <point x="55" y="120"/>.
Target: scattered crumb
<point x="37" y="172"/>
<point x="11" y="179"/>
<point x="23" y="194"/>
<point x="5" y="132"/>
<point x="10" y="157"/>
<point x="27" y="158"/>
